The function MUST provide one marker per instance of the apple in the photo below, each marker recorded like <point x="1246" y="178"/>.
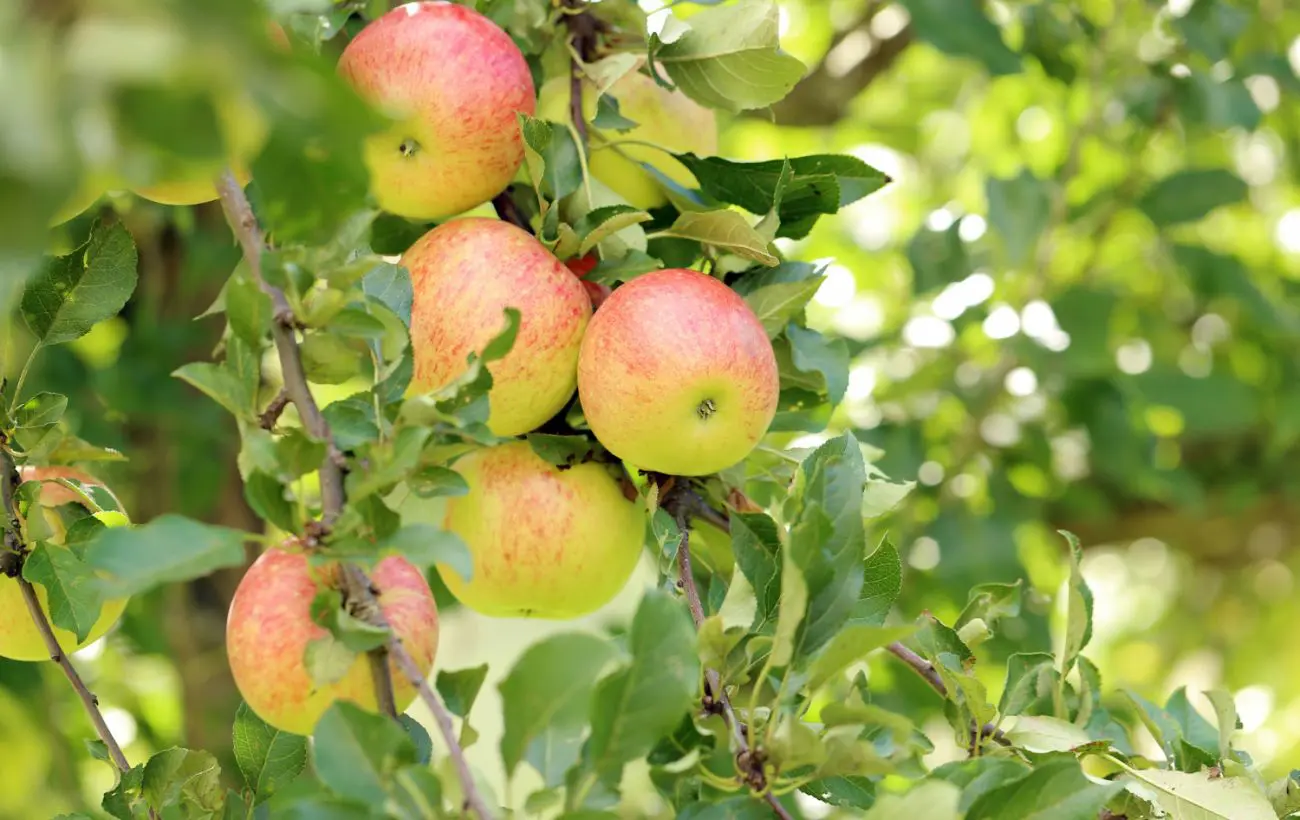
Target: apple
<point x="464" y="274"/>
<point x="666" y="118"/>
<point x="19" y="638"/>
<point x="172" y="180"/>
<point x="546" y="542"/>
<point x="453" y="81"/>
<point x="676" y="374"/>
<point x="269" y="626"/>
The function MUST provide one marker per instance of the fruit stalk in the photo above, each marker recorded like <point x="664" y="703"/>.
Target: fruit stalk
<point x="358" y="590"/>
<point x="13" y="543"/>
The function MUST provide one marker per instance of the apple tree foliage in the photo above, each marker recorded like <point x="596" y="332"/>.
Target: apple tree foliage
<point x="767" y="700"/>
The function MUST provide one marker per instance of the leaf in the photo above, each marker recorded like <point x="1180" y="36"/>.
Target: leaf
<point x="425" y="545"/>
<point x="790" y="610"/>
<point x="777" y="305"/>
<point x="927" y="800"/>
<point x="419" y="737"/>
<point x="937" y="258"/>
<point x="248" y="309"/>
<point x="1031" y="681"/>
<point x="1187" y="196"/>
<point x="1196" y="730"/>
<point x="184" y="777"/>
<point x="755" y="544"/>
<point x="634" y="706"/>
<point x="1162" y="725"/>
<point x="328" y="660"/>
<point x="1044" y="734"/>
<point x="1019" y="209"/>
<point x="1201" y="797"/>
<point x="459" y="688"/>
<point x="547" y="692"/>
<point x="42" y="410"/>
<point x="882" y="581"/>
<point x="551" y="156"/>
<point x="723" y="229"/>
<point x="811" y="352"/>
<point x="850" y="645"/>
<point x="979" y="775"/>
<point x="391" y="285"/>
<point x="562" y="451"/>
<point x="843" y="792"/>
<point x="72" y="293"/>
<point x="1078" y="623"/>
<point x="964" y="30"/>
<point x="267" y="498"/>
<point x="167" y="550"/>
<point x="74" y="593"/>
<point x="597" y="225"/>
<point x="624" y="269"/>
<point x="221" y="384"/>
<point x="1225" y="711"/>
<point x="268" y="758"/>
<point x="1057" y="789"/>
<point x="730" y="57"/>
<point x="991" y="603"/>
<point x="354" y="751"/>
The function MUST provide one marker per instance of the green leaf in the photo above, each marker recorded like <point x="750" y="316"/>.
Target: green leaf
<point x="1225" y="711"/>
<point x="425" y="545"/>
<point x="1284" y="794"/>
<point x="356" y="751"/>
<point x="120" y="800"/>
<point x="41" y="410"/>
<point x="551" y="156"/>
<point x="74" y="593"/>
<point x="725" y="230"/>
<point x="169" y="549"/>
<point x="434" y="481"/>
<point x="391" y="461"/>
<point x="843" y="792"/>
<point x="1019" y="209"/>
<point x="991" y="603"/>
<point x="1195" y="729"/>
<point x="624" y="269"/>
<point x="186" y="778"/>
<point x="596" y="226"/>
<point x="1162" y="725"/>
<point x="267" y="497"/>
<point x="329" y="359"/>
<point x="927" y="800"/>
<point x="418" y="791"/>
<point x="1038" y="734"/>
<point x="633" y="707"/>
<point x="937" y="258"/>
<point x="777" y="305"/>
<point x="730" y="57"/>
<point x="72" y="293"/>
<point x="964" y="30"/>
<point x="1203" y="797"/>
<point x="790" y="611"/>
<point x="391" y="285"/>
<point x="979" y="775"/>
<point x="1031" y="681"/>
<point x="757" y="547"/>
<point x="811" y="352"/>
<point x="248" y="309"/>
<point x="1187" y="196"/>
<point x="1056" y="789"/>
<point x="328" y="660"/>
<point x="562" y="451"/>
<point x="233" y="383"/>
<point x="1078" y="624"/>
<point x="267" y="757"/>
<point x="459" y="688"/>
<point x="419" y="737"/>
<point x="355" y="634"/>
<point x="849" y="646"/>
<point x="882" y="581"/>
<point x="546" y="694"/>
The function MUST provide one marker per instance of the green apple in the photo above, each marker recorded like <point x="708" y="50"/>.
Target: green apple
<point x="270" y="625"/>
<point x="677" y="375"/>
<point x="666" y="118"/>
<point x="546" y="542"/>
<point x="464" y="274"/>
<point x="19" y="638"/>
<point x="453" y="81"/>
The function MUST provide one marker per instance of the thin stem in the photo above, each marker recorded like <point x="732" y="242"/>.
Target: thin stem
<point x="931" y="676"/>
<point x="80" y="493"/>
<point x="22" y="377"/>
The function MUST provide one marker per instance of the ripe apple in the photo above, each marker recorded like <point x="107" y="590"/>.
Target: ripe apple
<point x="676" y="374"/>
<point x="19" y="638"/>
<point x="452" y="80"/>
<point x="666" y="118"/>
<point x="464" y="274"/>
<point x="270" y="625"/>
<point x="172" y="180"/>
<point x="546" y="542"/>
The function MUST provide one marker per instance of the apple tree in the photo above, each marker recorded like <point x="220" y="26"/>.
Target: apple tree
<point x="497" y="324"/>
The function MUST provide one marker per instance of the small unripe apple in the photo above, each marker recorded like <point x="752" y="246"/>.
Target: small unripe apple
<point x="546" y="542"/>
<point x="666" y="118"/>
<point x="269" y="626"/>
<point x="464" y="274"/>
<point x="677" y="375"/>
<point x="453" y="81"/>
<point x="19" y="638"/>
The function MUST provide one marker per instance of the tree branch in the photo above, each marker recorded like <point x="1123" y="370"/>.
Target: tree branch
<point x="681" y="501"/>
<point x="931" y="676"/>
<point x="359" y="593"/>
<point x="9" y="481"/>
<point x="583" y="28"/>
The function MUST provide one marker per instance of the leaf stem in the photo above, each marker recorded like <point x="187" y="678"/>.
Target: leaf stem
<point x="22" y="377"/>
<point x="358" y="591"/>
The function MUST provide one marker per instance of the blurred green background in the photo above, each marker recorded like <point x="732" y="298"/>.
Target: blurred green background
<point x="1076" y="306"/>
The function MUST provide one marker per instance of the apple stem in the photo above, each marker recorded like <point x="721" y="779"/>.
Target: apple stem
<point x="9" y="481"/>
<point x="681" y="501"/>
<point x="358" y="590"/>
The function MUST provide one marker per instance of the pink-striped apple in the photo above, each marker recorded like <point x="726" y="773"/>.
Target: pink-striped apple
<point x="664" y="118"/>
<point x="19" y="638"/>
<point x="465" y="273"/>
<point x="269" y="626"/>
<point x="453" y="81"/>
<point x="676" y="374"/>
<point x="546" y="542"/>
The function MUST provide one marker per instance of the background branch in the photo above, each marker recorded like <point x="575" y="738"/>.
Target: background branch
<point x="358" y="591"/>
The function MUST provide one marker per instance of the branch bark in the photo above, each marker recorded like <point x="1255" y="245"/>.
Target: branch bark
<point x="931" y="676"/>
<point x="358" y="591"/>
